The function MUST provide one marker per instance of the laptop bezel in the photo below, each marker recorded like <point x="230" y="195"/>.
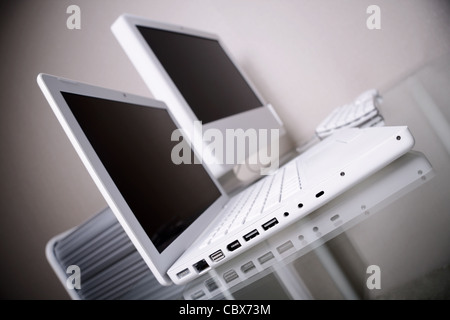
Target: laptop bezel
<point x="159" y="263"/>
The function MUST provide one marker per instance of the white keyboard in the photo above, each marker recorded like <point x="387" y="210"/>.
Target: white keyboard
<point x="362" y="112"/>
<point x="256" y="199"/>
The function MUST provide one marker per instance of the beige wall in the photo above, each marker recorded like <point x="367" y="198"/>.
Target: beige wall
<point x="305" y="57"/>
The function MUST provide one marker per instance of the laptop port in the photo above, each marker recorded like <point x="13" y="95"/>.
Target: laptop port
<point x="321" y="193"/>
<point x="233" y="245"/>
<point x="285" y="247"/>
<point x="248" y="267"/>
<point x="183" y="273"/>
<point x="264" y="258"/>
<point x="269" y="224"/>
<point x="211" y="285"/>
<point x="217" y="256"/>
<point x="335" y="217"/>
<point x="251" y="235"/>
<point x="197" y="295"/>
<point x="201" y="265"/>
<point x="230" y="275"/>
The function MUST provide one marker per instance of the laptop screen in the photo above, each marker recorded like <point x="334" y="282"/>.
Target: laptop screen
<point x="134" y="144"/>
<point x="203" y="73"/>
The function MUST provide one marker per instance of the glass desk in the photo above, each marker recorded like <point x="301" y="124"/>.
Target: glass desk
<point x="387" y="238"/>
<point x="280" y="254"/>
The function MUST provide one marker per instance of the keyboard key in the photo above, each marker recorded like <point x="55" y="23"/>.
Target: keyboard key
<point x="257" y="199"/>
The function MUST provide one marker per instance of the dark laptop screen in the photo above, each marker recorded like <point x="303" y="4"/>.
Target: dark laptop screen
<point x="134" y="144"/>
<point x="203" y="73"/>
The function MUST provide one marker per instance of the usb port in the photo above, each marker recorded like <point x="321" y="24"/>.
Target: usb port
<point x="251" y="235"/>
<point x="217" y="256"/>
<point x="233" y="245"/>
<point x="230" y="275"/>
<point x="269" y="224"/>
<point x="268" y="256"/>
<point x="247" y="267"/>
<point x="211" y="285"/>
<point x="197" y="295"/>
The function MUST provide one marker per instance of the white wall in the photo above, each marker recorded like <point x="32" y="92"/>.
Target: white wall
<point x="305" y="57"/>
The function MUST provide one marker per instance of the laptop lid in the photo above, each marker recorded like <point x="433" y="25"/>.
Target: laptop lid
<point x="192" y="72"/>
<point x="125" y="143"/>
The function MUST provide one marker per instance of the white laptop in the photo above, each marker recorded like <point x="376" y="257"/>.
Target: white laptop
<point x="196" y="77"/>
<point x="178" y="216"/>
<point x="367" y="198"/>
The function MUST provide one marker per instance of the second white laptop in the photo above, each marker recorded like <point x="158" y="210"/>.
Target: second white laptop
<point x="178" y="216"/>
